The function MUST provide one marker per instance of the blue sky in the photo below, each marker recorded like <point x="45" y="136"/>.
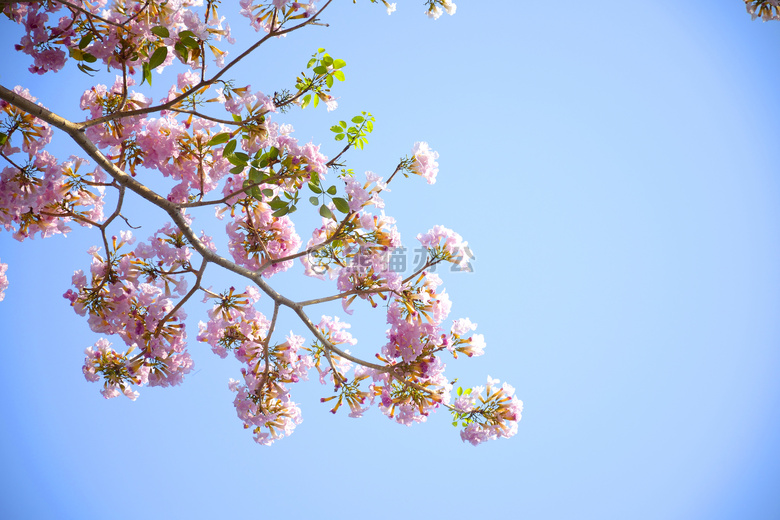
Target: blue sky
<point x="615" y="171"/>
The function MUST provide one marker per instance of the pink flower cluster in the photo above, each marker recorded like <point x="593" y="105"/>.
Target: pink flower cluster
<point x="335" y="331"/>
<point x="38" y="194"/>
<point x="117" y="370"/>
<point x="444" y="244"/>
<point x="336" y="372"/>
<point x="263" y="14"/>
<point x="234" y="322"/>
<point x="164" y="258"/>
<point x="262" y="400"/>
<point x="35" y="133"/>
<point x="416" y="385"/>
<point x="424" y="162"/>
<point x="365" y="264"/>
<point x="45" y="195"/>
<point x="117" y="302"/>
<point x="118" y="31"/>
<point x="100" y="100"/>
<point x="491" y="417"/>
<point x="363" y="194"/>
<point x="473" y="345"/>
<point x="257" y="239"/>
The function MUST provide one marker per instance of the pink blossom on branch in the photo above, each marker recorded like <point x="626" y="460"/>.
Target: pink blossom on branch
<point x="216" y="137"/>
<point x="424" y="162"/>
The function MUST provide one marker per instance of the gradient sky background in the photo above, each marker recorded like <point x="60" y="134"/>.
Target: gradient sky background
<point x="614" y="167"/>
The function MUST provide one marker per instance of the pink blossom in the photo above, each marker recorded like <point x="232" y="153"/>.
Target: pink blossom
<point x="425" y="163"/>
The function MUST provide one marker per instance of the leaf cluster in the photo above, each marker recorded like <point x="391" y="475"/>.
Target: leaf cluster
<point x="324" y="69"/>
<point x="355" y="135"/>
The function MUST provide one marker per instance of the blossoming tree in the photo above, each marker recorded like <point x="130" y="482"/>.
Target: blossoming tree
<point x="223" y="145"/>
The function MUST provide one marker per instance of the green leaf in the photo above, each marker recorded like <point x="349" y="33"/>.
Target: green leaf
<point x="335" y="128"/>
<point x="313" y="187"/>
<point x="306" y="100"/>
<point x="369" y="126"/>
<point x="340" y="137"/>
<point x="146" y="72"/>
<point x="273" y="153"/>
<point x="332" y="190"/>
<point x="182" y="50"/>
<point x="454" y="423"/>
<point x="158" y="57"/>
<point x="314" y="200"/>
<point x="338" y="64"/>
<point x="229" y="148"/>
<point x="256" y="193"/>
<point x="186" y="34"/>
<point x="315" y="178"/>
<point x="277" y="203"/>
<point x="320" y="50"/>
<point x="329" y="81"/>
<point x="357" y="119"/>
<point x="85" y="40"/>
<point x="219" y="139"/>
<point x="316" y="101"/>
<point x="338" y="75"/>
<point x="89" y="58"/>
<point x="341" y="204"/>
<point x="281" y="212"/>
<point x="241" y="156"/>
<point x="3" y="138"/>
<point x="86" y="70"/>
<point x="325" y="211"/>
<point x="191" y="43"/>
<point x="161" y="31"/>
<point x="320" y="69"/>
<point x="236" y="161"/>
<point x="311" y="63"/>
<point x="268" y="192"/>
<point x="235" y="170"/>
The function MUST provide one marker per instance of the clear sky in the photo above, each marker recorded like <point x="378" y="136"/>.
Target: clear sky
<point x="614" y="168"/>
